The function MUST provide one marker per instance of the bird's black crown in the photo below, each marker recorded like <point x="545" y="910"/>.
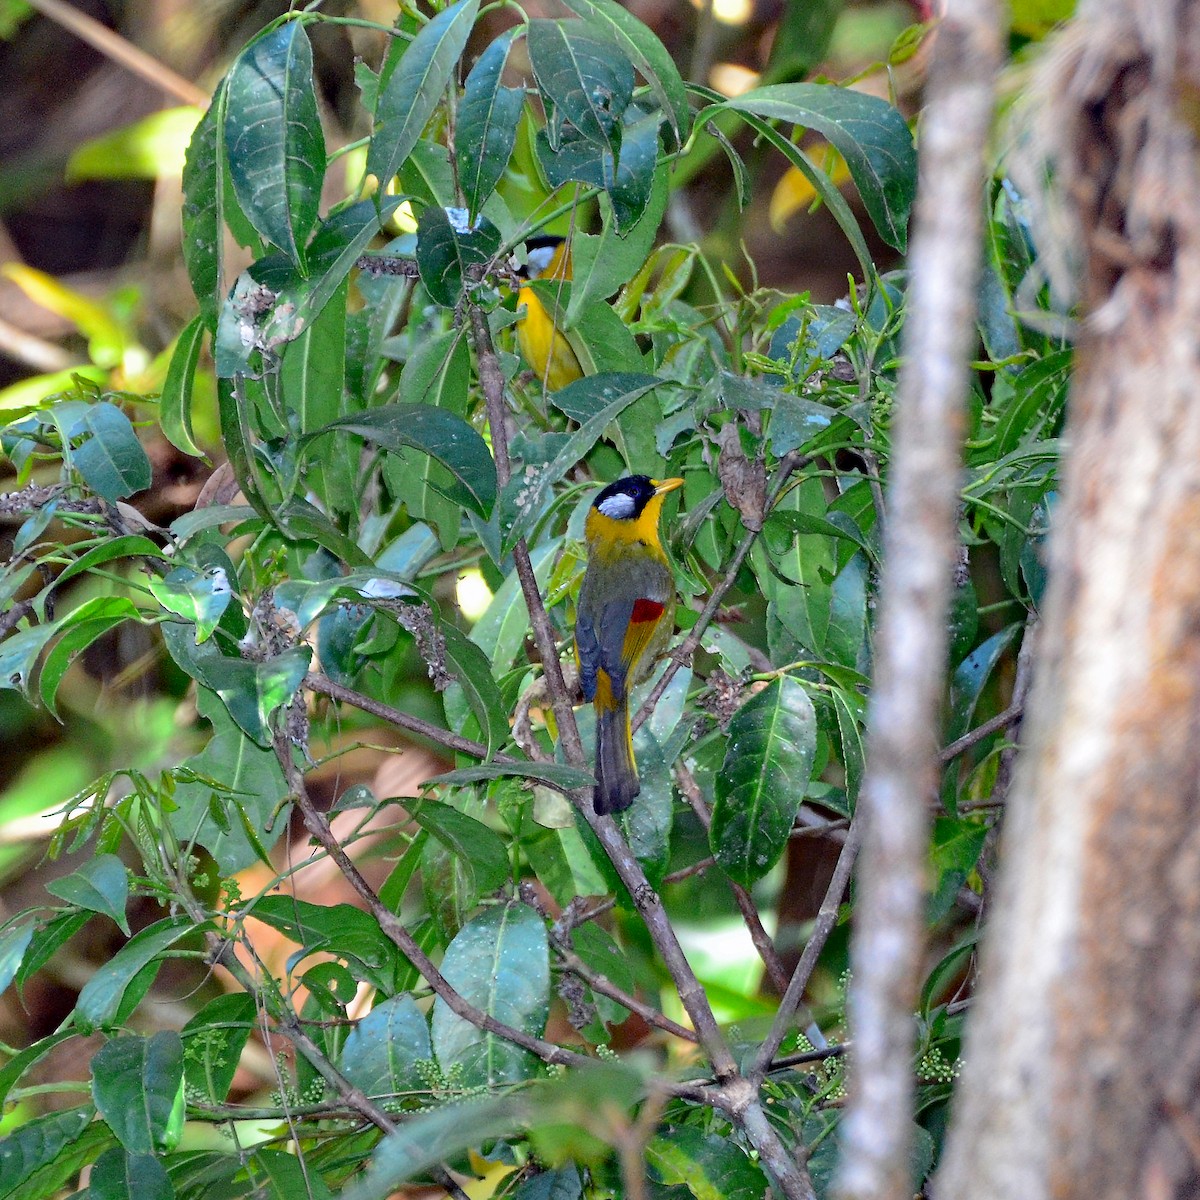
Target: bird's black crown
<point x="636" y="489"/>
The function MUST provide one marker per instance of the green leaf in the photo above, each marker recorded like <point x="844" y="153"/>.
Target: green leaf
<point x="14" y="940"/>
<point x="341" y="930"/>
<point x="486" y="129"/>
<point x="213" y="1041"/>
<point x="203" y="210"/>
<point x="416" y="87"/>
<point x="200" y="597"/>
<point x="500" y="962"/>
<point x="769" y="754"/>
<point x="101" y="885"/>
<point x="597" y="948"/>
<point x="101" y="996"/>
<point x="448" y="249"/>
<point x="432" y="1137"/>
<point x="616" y="392"/>
<point x="252" y="691"/>
<point x="137" y="1084"/>
<point x="585" y="75"/>
<point x="602" y="264"/>
<point x="646" y="53"/>
<point x="51" y="938"/>
<point x="232" y="771"/>
<point x="19" y="654"/>
<point x="15" y="1067"/>
<point x="110" y="459"/>
<point x="175" y="404"/>
<point x="502" y="629"/>
<point x="709" y="1166"/>
<point x="869" y="133"/>
<point x="121" y="1175"/>
<point x="628" y="180"/>
<point x="479" y="848"/>
<point x="556" y="775"/>
<point x="471" y="668"/>
<point x="849" y="709"/>
<point x="36" y="1144"/>
<point x="382" y="1052"/>
<point x="91" y="620"/>
<point x="795" y="421"/>
<point x="273" y="138"/>
<point x="438" y="433"/>
<point x="971" y="675"/>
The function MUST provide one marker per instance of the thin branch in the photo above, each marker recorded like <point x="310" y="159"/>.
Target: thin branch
<point x="823" y="926"/>
<point x="605" y="987"/>
<point x="112" y="45"/>
<point x="920" y="543"/>
<point x="324" y="686"/>
<point x="682" y="654"/>
<point x="1010" y="716"/>
<point x="742" y="898"/>
<point x="320" y="829"/>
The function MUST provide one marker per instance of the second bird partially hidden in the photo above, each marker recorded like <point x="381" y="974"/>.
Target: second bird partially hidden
<point x="625" y="617"/>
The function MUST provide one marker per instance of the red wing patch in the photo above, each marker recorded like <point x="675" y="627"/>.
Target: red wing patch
<point x="645" y="610"/>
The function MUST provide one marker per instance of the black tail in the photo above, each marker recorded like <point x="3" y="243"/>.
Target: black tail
<point x="616" y="773"/>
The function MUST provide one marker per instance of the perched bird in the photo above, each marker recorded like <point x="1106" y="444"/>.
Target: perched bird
<point x="624" y="618"/>
<point x="543" y="346"/>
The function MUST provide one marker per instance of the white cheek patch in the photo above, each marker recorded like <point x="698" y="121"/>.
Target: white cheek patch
<point x="620" y="507"/>
<point x="539" y="260"/>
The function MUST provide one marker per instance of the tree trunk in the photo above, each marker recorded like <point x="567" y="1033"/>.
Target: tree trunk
<point x="1083" y="1054"/>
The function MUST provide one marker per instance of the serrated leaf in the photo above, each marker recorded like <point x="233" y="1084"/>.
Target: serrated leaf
<point x="273" y="138"/>
<point x="500" y="962"/>
<point x="110" y="458"/>
<point x="137" y="1084"/>
<point x="416" y="87"/>
<point x="646" y="53"/>
<point x="434" y="431"/>
<point x="101" y="885"/>
<point x="486" y="129"/>
<point x="382" y="1052"/>
<point x="101" y="996"/>
<point x="869" y="133"/>
<point x="768" y="757"/>
<point x="585" y="75"/>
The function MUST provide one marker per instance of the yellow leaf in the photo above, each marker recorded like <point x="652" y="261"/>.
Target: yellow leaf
<point x="793" y="191"/>
<point x="151" y="148"/>
<point x="106" y="339"/>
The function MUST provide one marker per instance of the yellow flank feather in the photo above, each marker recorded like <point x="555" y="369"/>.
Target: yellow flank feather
<point x="544" y="347"/>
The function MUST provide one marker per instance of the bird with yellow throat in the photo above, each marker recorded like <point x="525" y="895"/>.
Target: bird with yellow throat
<point x="542" y="344"/>
<point x="623" y="621"/>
